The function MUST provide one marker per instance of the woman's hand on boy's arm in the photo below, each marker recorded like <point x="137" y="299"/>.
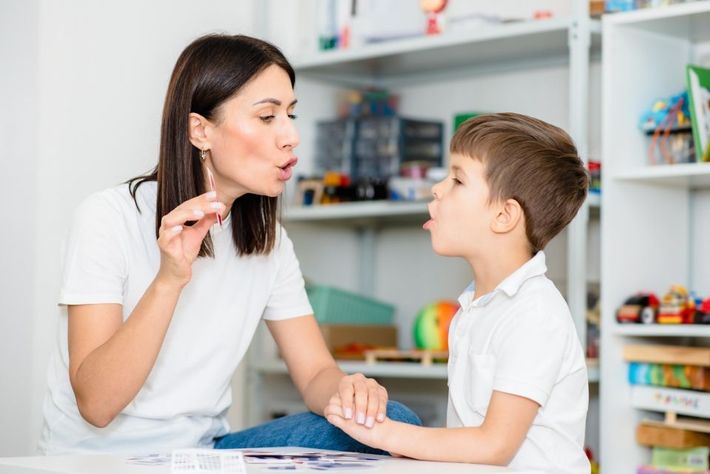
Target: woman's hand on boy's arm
<point x="495" y="442"/>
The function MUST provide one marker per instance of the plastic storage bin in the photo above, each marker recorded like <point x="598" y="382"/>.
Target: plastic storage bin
<point x="335" y="306"/>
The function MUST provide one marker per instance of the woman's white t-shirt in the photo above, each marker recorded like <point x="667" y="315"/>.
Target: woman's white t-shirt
<point x="111" y="256"/>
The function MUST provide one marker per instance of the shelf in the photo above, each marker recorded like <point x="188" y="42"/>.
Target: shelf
<point x="360" y="212"/>
<point x="385" y="212"/>
<point x="688" y="21"/>
<point x="381" y="369"/>
<point x="687" y="175"/>
<point x="663" y="330"/>
<point x="511" y="43"/>
<point x="395" y="369"/>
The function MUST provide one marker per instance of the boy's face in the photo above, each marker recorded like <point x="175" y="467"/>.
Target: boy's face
<point x="461" y="217"/>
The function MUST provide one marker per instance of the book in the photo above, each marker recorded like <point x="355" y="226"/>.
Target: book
<point x="670" y="375"/>
<point x="684" y="402"/>
<point x="691" y="459"/>
<point x="698" y="83"/>
<point x="659" y="354"/>
<point x="658" y="470"/>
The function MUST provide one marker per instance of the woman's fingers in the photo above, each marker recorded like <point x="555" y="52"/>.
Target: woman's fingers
<point x="346" y="392"/>
<point x="180" y="215"/>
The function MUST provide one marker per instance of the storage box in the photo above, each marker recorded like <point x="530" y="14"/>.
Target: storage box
<point x="346" y="341"/>
<point x="335" y="306"/>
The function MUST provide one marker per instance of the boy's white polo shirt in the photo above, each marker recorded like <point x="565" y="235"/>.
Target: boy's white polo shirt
<point x="520" y="339"/>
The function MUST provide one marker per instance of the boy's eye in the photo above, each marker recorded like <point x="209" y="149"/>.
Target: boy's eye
<point x="456" y="180"/>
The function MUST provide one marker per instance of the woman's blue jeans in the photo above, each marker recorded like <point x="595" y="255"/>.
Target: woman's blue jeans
<point x="308" y="430"/>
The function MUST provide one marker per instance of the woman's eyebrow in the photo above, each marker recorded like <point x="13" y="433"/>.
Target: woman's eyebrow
<point x="271" y="100"/>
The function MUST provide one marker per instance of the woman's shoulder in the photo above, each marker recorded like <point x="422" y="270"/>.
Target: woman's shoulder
<point x="121" y="200"/>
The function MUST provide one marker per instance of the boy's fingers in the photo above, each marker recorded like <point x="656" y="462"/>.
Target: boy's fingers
<point x="373" y="405"/>
<point x="382" y="410"/>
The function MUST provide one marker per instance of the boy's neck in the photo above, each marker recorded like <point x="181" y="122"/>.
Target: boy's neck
<point x="490" y="269"/>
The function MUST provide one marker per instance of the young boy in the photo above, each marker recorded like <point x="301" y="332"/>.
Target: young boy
<point x="518" y="389"/>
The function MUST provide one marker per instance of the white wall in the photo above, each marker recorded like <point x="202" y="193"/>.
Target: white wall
<point x="18" y="165"/>
<point x="83" y="87"/>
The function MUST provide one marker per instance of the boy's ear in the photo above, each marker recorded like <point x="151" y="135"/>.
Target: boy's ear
<point x="508" y="215"/>
<point x="197" y="128"/>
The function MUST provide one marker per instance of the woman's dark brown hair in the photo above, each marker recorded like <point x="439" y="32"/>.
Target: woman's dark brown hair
<point x="211" y="70"/>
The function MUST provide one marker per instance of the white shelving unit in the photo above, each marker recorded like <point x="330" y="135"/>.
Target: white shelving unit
<point x="567" y="41"/>
<point x="650" y="234"/>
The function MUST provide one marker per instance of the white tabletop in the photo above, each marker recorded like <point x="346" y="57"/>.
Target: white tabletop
<point x="116" y="464"/>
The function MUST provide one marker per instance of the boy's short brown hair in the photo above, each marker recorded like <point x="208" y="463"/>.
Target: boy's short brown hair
<point x="530" y="161"/>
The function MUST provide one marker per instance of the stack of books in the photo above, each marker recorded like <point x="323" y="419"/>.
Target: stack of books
<point x="673" y="380"/>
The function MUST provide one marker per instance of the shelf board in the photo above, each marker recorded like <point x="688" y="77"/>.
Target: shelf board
<point x="687" y="175"/>
<point x="687" y="20"/>
<point x="663" y="330"/>
<point x="372" y="211"/>
<point x="360" y="212"/>
<point x="403" y="370"/>
<point x="489" y="45"/>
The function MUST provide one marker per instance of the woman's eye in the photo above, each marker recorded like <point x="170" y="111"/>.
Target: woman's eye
<point x="266" y="118"/>
<point x="292" y="116"/>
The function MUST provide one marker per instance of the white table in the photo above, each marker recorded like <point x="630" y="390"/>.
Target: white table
<point x="115" y="464"/>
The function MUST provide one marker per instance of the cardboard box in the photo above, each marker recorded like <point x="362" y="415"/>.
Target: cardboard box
<point x="346" y="341"/>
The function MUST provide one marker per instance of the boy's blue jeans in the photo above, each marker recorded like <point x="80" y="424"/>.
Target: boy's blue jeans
<point x="308" y="430"/>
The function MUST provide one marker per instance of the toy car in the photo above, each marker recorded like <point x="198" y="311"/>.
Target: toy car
<point x="677" y="307"/>
<point x="640" y="308"/>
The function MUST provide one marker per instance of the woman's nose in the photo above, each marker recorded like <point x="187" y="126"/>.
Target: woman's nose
<point x="289" y="138"/>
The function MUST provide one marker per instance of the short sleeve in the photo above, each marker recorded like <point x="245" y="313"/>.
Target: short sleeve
<point x="529" y="356"/>
<point x="288" y="297"/>
<point x="94" y="264"/>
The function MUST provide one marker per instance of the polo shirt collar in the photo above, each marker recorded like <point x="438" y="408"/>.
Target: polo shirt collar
<point x="510" y="285"/>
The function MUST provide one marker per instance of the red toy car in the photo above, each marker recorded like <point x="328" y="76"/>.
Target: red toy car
<point x="640" y="308"/>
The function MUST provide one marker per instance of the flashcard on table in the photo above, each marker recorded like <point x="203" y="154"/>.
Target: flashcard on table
<point x="207" y="461"/>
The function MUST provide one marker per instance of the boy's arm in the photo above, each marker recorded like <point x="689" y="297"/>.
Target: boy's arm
<point x="495" y="442"/>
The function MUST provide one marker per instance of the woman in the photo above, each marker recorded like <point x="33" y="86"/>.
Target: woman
<point x="162" y="303"/>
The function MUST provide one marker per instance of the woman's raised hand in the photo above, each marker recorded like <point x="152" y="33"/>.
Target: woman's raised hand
<point x="179" y="243"/>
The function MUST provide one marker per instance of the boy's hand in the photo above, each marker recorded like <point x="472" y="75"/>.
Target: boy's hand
<point x="361" y="400"/>
<point x="371" y="436"/>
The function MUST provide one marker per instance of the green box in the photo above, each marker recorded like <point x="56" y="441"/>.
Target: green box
<point x="335" y="306"/>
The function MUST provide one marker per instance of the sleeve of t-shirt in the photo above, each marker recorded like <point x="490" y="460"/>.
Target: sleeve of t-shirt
<point x="288" y="298"/>
<point x="94" y="265"/>
<point x="529" y="356"/>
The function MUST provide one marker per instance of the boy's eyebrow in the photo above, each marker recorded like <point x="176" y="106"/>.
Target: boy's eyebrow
<point x="457" y="169"/>
<point x="271" y="100"/>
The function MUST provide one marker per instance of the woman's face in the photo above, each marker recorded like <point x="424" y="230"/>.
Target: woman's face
<point x="252" y="137"/>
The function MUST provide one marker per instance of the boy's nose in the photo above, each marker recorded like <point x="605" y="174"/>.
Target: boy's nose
<point x="436" y="190"/>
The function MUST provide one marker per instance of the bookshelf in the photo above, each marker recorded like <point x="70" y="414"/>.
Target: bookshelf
<point x="652" y="230"/>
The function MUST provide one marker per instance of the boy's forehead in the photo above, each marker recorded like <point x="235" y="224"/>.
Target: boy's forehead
<point x="465" y="163"/>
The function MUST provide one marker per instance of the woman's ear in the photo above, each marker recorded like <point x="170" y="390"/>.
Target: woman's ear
<point x="509" y="215"/>
<point x="198" y="128"/>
